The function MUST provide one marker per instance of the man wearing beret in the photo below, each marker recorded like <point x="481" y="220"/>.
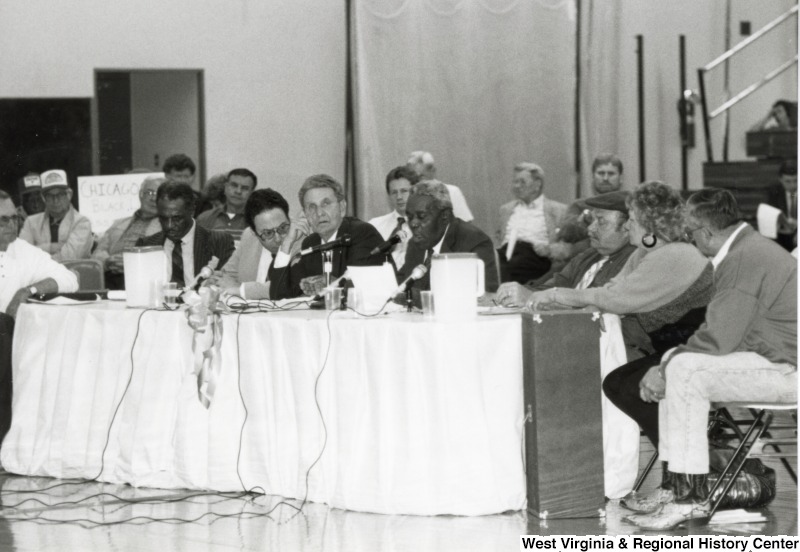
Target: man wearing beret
<point x="60" y="230"/>
<point x="595" y="266"/>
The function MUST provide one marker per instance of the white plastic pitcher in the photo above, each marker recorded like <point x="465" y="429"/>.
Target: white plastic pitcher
<point x="457" y="280"/>
<point x="143" y="267"/>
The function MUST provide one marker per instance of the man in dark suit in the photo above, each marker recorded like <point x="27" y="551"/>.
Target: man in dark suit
<point x="784" y="197"/>
<point x="188" y="247"/>
<point x="435" y="230"/>
<point x="324" y="204"/>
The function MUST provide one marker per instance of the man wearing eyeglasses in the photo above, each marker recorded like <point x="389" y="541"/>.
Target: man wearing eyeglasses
<point x="325" y="207"/>
<point x="24" y="271"/>
<point x="268" y="226"/>
<point x="125" y="232"/>
<point x="60" y="230"/>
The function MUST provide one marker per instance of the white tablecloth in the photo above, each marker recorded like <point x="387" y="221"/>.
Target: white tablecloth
<point x="422" y="418"/>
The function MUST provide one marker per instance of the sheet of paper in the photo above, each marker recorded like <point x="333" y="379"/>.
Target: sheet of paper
<point x="376" y="284"/>
<point x="767" y="217"/>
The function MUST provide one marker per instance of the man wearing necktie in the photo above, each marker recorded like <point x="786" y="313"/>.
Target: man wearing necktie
<point x="399" y="182"/>
<point x="436" y="230"/>
<point x="188" y="247"/>
<point x="324" y="204"/>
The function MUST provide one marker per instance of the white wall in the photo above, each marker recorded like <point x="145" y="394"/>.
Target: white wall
<point x="703" y="23"/>
<point x="274" y="70"/>
<point x="164" y="117"/>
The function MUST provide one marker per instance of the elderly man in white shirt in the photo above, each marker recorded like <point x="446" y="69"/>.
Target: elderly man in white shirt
<point x="25" y="270"/>
<point x="398" y="188"/>
<point x="528" y="225"/>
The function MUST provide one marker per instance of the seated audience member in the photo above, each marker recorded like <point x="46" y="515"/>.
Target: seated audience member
<point x="267" y="216"/>
<point x="60" y="230"/>
<point x="572" y="232"/>
<point x="781" y="116"/>
<point x="188" y="247"/>
<point x="31" y="202"/>
<point x="125" y="232"/>
<point x="180" y="168"/>
<point x="746" y="350"/>
<point x="213" y="194"/>
<point x="398" y="188"/>
<point x="784" y="197"/>
<point x="595" y="267"/>
<point x="230" y="217"/>
<point x="421" y="162"/>
<point x="24" y="271"/>
<point x="662" y="281"/>
<point x="435" y="230"/>
<point x="324" y="204"/>
<point x="528" y="226"/>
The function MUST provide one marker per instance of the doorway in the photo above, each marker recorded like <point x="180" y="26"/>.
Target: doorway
<point x="144" y="116"/>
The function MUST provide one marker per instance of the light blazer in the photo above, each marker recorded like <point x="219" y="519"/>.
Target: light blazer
<point x="553" y="213"/>
<point x="74" y="235"/>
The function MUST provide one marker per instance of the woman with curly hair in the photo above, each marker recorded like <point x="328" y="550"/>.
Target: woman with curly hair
<point x="659" y="272"/>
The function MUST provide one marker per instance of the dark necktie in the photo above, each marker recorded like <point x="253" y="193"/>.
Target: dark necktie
<point x="177" y="264"/>
<point x="54" y="224"/>
<point x="400" y="222"/>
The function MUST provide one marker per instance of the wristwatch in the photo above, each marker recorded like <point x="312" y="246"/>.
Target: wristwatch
<point x="32" y="290"/>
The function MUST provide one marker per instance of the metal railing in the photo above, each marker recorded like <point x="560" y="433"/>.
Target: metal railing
<point x="750" y="89"/>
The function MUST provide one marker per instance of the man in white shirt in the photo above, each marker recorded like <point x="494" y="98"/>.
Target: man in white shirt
<point x="421" y="162"/>
<point x="398" y="187"/>
<point x="25" y="270"/>
<point x="528" y="225"/>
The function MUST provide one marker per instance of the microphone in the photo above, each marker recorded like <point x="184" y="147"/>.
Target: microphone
<point x="205" y="273"/>
<point x="418" y="272"/>
<point x="335" y="283"/>
<point x="388" y="244"/>
<point x="342" y="241"/>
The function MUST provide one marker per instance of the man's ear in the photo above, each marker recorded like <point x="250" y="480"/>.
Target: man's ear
<point x="343" y="205"/>
<point x="69" y="194"/>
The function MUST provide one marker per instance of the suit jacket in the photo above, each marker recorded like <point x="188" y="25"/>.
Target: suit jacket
<point x="285" y="282"/>
<point x="461" y="237"/>
<point x="74" y="235"/>
<point x="754" y="307"/>
<point x="777" y="198"/>
<point x="207" y="244"/>
<point x="553" y="213"/>
<point x="572" y="274"/>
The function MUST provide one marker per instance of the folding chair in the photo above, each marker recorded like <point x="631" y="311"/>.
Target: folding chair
<point x="91" y="276"/>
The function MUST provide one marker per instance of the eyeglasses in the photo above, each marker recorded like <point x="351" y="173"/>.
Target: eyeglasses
<point x="149" y="193"/>
<point x="54" y="196"/>
<point x="9" y="221"/>
<point x="268" y="234"/>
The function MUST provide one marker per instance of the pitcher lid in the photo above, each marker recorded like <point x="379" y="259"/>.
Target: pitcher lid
<point x="144" y="249"/>
<point x="455" y="256"/>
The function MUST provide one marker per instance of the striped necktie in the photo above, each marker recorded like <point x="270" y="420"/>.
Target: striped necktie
<point x="177" y="264"/>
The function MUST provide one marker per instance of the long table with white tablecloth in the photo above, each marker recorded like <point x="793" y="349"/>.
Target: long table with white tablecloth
<point x="409" y="416"/>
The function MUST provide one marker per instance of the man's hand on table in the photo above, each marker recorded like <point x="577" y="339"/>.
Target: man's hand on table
<point x="512" y="294"/>
<point x="313" y="285"/>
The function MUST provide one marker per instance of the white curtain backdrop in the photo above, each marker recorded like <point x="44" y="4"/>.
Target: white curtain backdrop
<point x="481" y="84"/>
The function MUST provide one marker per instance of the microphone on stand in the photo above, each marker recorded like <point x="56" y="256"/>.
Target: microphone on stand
<point x="418" y="272"/>
<point x="388" y="244"/>
<point x="205" y="273"/>
<point x="342" y="241"/>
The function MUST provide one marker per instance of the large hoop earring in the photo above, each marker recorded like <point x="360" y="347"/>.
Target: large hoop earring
<point x="649" y="240"/>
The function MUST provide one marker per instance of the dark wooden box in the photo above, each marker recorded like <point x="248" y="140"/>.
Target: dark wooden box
<point x="563" y="427"/>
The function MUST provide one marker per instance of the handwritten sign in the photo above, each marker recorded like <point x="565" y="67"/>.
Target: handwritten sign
<point x="104" y="199"/>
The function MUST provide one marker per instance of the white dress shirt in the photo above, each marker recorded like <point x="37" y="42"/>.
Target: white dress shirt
<point x="460" y="207"/>
<point x="23" y="264"/>
<point x="527" y="223"/>
<point x="187" y="252"/>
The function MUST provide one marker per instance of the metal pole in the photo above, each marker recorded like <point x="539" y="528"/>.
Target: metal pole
<point x="704" y="103"/>
<point x="683" y="112"/>
<point x="578" y="102"/>
<point x="727" y="80"/>
<point x="640" y="97"/>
